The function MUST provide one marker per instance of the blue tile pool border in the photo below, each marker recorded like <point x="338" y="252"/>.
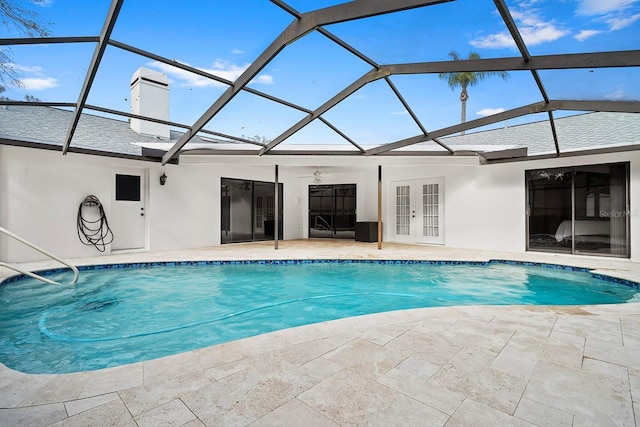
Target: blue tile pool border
<point x="137" y="265"/>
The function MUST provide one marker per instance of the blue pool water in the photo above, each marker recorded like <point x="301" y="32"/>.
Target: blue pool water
<point x="117" y="316"/>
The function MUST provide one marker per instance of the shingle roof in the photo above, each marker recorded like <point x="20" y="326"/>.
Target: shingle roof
<point x="49" y="125"/>
<point x="577" y="132"/>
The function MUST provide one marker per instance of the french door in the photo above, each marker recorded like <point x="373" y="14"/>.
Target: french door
<point x="417" y="214"/>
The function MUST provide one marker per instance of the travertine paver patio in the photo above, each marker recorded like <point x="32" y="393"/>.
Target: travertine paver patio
<point x="457" y="366"/>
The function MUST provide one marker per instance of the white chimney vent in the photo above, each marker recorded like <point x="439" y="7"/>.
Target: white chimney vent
<point x="150" y="98"/>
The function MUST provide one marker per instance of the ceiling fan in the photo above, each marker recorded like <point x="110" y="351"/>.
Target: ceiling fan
<point x="317" y="176"/>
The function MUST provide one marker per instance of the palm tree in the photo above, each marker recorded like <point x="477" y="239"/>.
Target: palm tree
<point x="464" y="79"/>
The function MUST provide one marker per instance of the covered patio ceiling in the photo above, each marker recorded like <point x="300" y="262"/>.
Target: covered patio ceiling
<point x="323" y="111"/>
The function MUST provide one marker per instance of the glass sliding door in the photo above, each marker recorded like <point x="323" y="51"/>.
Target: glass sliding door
<point x="601" y="207"/>
<point x="345" y="211"/>
<point x="320" y="211"/>
<point x="236" y="211"/>
<point x="582" y="210"/>
<point x="247" y="211"/>
<point x="264" y="211"/>
<point x="332" y="211"/>
<point x="549" y="219"/>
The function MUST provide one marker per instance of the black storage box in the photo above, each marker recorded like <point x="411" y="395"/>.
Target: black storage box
<point x="367" y="231"/>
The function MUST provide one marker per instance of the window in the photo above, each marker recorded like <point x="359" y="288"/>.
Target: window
<point x="128" y="187"/>
<point x="582" y="209"/>
<point x="403" y="210"/>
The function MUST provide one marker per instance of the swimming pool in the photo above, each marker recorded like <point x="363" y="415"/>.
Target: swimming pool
<point x="123" y="313"/>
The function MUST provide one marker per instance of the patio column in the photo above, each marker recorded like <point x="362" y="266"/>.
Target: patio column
<point x="379" y="207"/>
<point x="276" y="203"/>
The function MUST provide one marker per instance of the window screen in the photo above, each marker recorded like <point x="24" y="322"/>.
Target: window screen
<point x="128" y="187"/>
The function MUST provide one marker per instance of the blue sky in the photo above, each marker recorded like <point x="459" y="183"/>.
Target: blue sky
<point x="224" y="37"/>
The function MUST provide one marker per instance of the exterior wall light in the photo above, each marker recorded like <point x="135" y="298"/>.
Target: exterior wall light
<point x="163" y="178"/>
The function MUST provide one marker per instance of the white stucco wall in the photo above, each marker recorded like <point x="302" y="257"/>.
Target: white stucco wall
<point x="41" y="192"/>
<point x="484" y="204"/>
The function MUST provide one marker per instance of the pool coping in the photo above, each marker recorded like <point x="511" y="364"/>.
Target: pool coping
<point x="145" y="264"/>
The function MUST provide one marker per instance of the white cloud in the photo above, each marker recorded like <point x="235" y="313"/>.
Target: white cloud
<point x="527" y="18"/>
<point x="37" y="83"/>
<point x="221" y="68"/>
<point x="237" y="51"/>
<point x="494" y="41"/>
<point x="585" y="34"/>
<point x="489" y="111"/>
<point x="184" y="78"/>
<point x="616" y="95"/>
<point x="618" y="23"/>
<point x="26" y="69"/>
<point x="533" y="30"/>
<point x="617" y="14"/>
<point x="264" y="79"/>
<point x="527" y="4"/>
<point x="399" y="113"/>
<point x="542" y="33"/>
<point x="602" y="7"/>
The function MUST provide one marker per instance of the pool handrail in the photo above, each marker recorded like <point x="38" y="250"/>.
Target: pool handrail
<point x="76" y="273"/>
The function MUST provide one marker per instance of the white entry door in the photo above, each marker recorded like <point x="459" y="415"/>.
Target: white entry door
<point x="418" y="211"/>
<point x="128" y="216"/>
